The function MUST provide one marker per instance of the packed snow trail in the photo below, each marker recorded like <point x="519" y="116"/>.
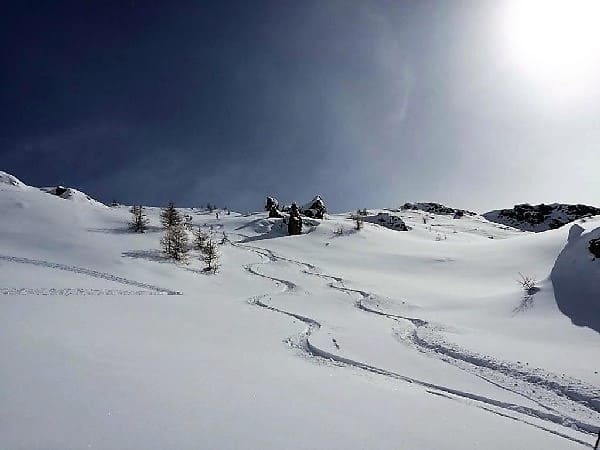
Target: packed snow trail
<point x="313" y="325"/>
<point x="88" y="272"/>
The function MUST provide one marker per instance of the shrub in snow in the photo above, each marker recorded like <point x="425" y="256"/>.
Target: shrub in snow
<point x="528" y="283"/>
<point x="139" y="222"/>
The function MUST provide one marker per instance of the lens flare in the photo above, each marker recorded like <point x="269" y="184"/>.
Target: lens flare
<point x="556" y="43"/>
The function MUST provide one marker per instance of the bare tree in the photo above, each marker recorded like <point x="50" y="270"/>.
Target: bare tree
<point x="211" y="256"/>
<point x="139" y="222"/>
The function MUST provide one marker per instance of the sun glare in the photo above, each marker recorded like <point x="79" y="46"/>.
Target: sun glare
<point x="555" y="42"/>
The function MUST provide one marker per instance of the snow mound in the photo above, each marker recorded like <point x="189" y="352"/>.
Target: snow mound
<point x="11" y="180"/>
<point x="575" y="279"/>
<point x="71" y="194"/>
<point x="541" y="217"/>
<point x="387" y="220"/>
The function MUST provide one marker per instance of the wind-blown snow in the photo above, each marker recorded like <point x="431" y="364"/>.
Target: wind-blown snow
<point x="370" y="339"/>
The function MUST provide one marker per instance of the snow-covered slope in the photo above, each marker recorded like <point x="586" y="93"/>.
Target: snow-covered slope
<point x="371" y="339"/>
<point x="10" y="180"/>
<point x="541" y="217"/>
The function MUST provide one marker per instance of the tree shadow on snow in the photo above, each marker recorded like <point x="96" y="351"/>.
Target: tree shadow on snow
<point x="149" y="255"/>
<point x="576" y="280"/>
<point x="123" y="230"/>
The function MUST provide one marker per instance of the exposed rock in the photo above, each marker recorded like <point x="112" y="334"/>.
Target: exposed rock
<point x="71" y="194"/>
<point x="294" y="221"/>
<point x="594" y="247"/>
<point x="437" y="208"/>
<point x="315" y="208"/>
<point x="272" y="206"/>
<point x="387" y="220"/>
<point x="540" y="217"/>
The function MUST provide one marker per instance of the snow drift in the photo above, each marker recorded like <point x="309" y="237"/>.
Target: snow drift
<point x="576" y="279"/>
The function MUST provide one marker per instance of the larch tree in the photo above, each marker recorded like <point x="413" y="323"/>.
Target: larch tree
<point x="139" y="222"/>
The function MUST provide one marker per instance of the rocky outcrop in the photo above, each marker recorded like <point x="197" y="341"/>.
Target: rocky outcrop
<point x="540" y="217"/>
<point x="387" y="220"/>
<point x="272" y="206"/>
<point x="315" y="208"/>
<point x="294" y="221"/>
<point x="594" y="247"/>
<point x="74" y="195"/>
<point x="437" y="208"/>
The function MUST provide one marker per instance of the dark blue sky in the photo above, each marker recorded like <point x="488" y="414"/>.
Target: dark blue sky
<point x="365" y="103"/>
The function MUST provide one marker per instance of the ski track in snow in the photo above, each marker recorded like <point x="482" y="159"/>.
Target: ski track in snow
<point x="83" y="271"/>
<point x="471" y="363"/>
<point x="73" y="291"/>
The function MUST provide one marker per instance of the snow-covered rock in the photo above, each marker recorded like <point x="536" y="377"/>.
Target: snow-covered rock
<point x="541" y="217"/>
<point x="315" y="208"/>
<point x="576" y="279"/>
<point x="11" y="180"/>
<point x="387" y="220"/>
<point x="437" y="208"/>
<point x="71" y="194"/>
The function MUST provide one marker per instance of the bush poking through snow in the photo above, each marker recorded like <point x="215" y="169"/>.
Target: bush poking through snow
<point x="339" y="231"/>
<point x="528" y="283"/>
<point x="139" y="222"/>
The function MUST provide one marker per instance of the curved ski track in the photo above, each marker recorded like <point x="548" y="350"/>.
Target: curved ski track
<point x="83" y="271"/>
<point x="501" y="408"/>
